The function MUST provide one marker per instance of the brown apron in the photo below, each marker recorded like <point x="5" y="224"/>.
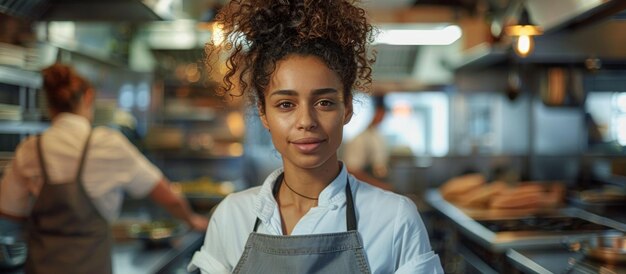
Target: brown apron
<point x="66" y="233"/>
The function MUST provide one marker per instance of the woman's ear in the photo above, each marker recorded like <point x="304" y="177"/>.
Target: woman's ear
<point x="348" y="114"/>
<point x="263" y="117"/>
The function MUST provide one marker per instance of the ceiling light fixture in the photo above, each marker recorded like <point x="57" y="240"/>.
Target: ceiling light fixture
<point x="523" y="33"/>
<point x="436" y="36"/>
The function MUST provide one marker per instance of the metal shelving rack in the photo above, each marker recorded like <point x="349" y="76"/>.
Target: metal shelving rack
<point x="28" y="84"/>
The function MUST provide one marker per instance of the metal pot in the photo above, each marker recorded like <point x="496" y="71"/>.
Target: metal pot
<point x="608" y="248"/>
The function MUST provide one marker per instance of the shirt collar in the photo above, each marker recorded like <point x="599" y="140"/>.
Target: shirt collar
<point x="333" y="195"/>
<point x="71" y="121"/>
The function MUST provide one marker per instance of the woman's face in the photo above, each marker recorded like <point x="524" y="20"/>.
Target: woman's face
<point x="305" y="111"/>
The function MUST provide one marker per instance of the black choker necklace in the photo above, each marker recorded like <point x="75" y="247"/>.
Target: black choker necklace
<point x="307" y="197"/>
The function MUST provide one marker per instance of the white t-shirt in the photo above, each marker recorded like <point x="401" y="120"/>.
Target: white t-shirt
<point x="393" y="234"/>
<point x="113" y="165"/>
<point x="367" y="149"/>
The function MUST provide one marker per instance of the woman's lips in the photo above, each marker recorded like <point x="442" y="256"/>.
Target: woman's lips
<point x="307" y="145"/>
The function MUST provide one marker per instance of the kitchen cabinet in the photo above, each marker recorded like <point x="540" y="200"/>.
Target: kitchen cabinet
<point x="22" y="106"/>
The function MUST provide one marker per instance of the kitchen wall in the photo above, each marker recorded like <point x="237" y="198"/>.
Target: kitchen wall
<point x="488" y="130"/>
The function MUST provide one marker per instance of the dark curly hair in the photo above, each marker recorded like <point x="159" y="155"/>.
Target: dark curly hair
<point x="259" y="33"/>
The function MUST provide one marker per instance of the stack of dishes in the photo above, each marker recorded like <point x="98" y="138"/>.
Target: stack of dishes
<point x="32" y="59"/>
<point x="10" y="112"/>
<point x="12" y="55"/>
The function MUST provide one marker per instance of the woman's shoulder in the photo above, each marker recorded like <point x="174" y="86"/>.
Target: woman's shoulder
<point x="243" y="196"/>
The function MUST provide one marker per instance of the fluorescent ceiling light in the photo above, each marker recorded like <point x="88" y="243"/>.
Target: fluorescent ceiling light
<point x="436" y="36"/>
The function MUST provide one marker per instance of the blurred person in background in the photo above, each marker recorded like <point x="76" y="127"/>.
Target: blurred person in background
<point x="68" y="183"/>
<point x="367" y="156"/>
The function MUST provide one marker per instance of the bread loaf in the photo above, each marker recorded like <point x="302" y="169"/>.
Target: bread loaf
<point x="453" y="189"/>
<point x="522" y="196"/>
<point x="481" y="196"/>
<point x="554" y="195"/>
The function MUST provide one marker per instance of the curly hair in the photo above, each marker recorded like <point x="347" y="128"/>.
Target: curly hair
<point x="259" y="33"/>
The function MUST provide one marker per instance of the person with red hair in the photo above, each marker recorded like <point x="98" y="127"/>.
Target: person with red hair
<point x="68" y="183"/>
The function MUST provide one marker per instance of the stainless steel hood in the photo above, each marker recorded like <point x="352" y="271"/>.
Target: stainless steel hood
<point x="98" y="10"/>
<point x="574" y="31"/>
<point x="26" y="9"/>
<point x="82" y="10"/>
<point x="554" y="16"/>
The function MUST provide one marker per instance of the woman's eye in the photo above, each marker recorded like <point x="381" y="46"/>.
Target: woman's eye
<point x="285" y="105"/>
<point x="326" y="103"/>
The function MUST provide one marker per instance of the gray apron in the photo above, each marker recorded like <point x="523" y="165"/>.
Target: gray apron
<point x="340" y="252"/>
<point x="66" y="233"/>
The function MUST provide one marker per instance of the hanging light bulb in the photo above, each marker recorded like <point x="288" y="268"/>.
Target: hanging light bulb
<point x="523" y="33"/>
<point x="524" y="45"/>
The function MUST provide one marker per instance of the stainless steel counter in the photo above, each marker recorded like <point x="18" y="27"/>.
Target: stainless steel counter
<point x="541" y="261"/>
<point x="137" y="258"/>
<point x="557" y="260"/>
<point x="467" y="222"/>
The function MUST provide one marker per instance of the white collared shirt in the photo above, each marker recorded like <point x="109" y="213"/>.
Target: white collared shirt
<point x="393" y="234"/>
<point x="113" y="165"/>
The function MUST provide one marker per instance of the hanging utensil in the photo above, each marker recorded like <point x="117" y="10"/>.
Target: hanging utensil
<point x="514" y="84"/>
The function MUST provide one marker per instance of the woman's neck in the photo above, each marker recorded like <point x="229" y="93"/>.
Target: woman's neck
<point x="300" y="190"/>
<point x="307" y="182"/>
<point x="83" y="113"/>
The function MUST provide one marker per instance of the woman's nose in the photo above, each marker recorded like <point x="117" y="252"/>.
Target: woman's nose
<point x="306" y="119"/>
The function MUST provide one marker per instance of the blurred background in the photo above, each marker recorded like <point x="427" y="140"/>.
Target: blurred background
<point x="531" y="90"/>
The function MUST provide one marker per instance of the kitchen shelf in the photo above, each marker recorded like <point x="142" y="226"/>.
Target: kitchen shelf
<point x="91" y="55"/>
<point x="188" y="118"/>
<point x="19" y="127"/>
<point x="192" y="155"/>
<point x="20" y="77"/>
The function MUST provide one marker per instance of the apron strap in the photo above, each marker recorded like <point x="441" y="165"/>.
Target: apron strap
<point x="256" y="224"/>
<point x="350" y="213"/>
<point x="351" y="223"/>
<point x="42" y="161"/>
<point x="81" y="164"/>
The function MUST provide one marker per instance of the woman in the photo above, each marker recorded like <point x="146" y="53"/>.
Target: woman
<point x="68" y="183"/>
<point x="300" y="60"/>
